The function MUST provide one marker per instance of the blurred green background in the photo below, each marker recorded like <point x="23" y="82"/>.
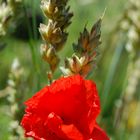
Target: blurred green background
<point x="111" y="74"/>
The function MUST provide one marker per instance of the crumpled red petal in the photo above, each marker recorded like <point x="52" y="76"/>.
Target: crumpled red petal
<point x="65" y="110"/>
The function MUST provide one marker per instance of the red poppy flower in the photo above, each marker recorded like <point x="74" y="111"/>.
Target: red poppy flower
<point x="65" y="110"/>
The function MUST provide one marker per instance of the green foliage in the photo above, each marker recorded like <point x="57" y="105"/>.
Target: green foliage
<point x="110" y="74"/>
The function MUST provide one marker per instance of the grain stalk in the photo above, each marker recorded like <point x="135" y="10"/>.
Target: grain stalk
<point x="54" y="34"/>
<point x="130" y="24"/>
<point x="85" y="52"/>
<point x="14" y="93"/>
<point x="9" y="9"/>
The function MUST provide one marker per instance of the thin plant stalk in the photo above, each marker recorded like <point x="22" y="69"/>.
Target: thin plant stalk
<point x="110" y="75"/>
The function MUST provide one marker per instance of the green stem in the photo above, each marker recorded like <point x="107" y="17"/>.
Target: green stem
<point x="33" y="52"/>
<point x="34" y="20"/>
<point x="30" y="35"/>
<point x="111" y="73"/>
